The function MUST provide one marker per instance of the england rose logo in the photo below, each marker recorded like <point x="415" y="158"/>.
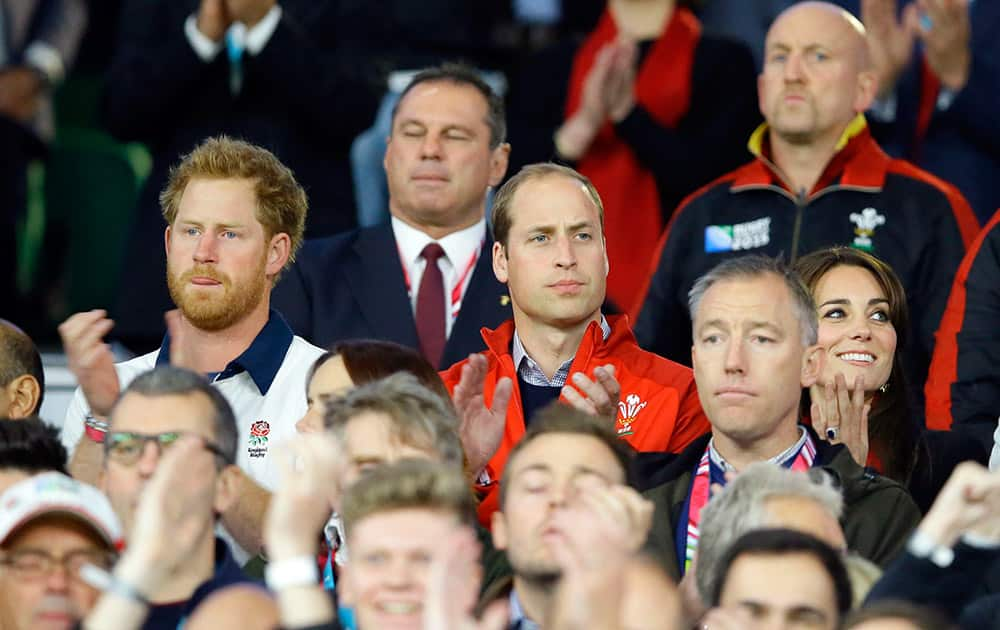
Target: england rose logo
<point x="258" y="433"/>
<point x="260" y="429"/>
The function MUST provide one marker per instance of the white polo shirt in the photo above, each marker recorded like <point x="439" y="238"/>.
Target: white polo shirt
<point x="266" y="387"/>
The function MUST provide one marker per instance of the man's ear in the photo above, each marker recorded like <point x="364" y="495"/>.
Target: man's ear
<point x="499" y="530"/>
<point x="867" y="90"/>
<point x="227" y="488"/>
<point x="166" y="240"/>
<point x="278" y="252"/>
<point x="499" y="262"/>
<point x="24" y="392"/>
<point x="812" y="365"/>
<point x="761" y="105"/>
<point x="499" y="159"/>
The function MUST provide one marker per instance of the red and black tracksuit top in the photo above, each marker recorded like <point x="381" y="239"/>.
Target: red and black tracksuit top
<point x="963" y="386"/>
<point x="915" y="222"/>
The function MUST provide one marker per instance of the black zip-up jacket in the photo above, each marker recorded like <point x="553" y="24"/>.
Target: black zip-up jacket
<point x="915" y="222"/>
<point x="878" y="512"/>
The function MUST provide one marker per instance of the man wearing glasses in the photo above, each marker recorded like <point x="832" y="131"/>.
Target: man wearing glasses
<point x="155" y="412"/>
<point x="50" y="526"/>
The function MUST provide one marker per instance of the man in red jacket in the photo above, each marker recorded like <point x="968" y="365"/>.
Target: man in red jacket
<point x="548" y="222"/>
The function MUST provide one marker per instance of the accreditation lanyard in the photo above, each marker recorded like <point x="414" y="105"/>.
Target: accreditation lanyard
<point x="456" y="291"/>
<point x="708" y="473"/>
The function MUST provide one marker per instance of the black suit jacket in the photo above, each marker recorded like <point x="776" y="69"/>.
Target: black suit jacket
<point x="302" y="98"/>
<point x="351" y="286"/>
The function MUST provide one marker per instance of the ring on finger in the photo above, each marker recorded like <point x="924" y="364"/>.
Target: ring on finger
<point x="832" y="433"/>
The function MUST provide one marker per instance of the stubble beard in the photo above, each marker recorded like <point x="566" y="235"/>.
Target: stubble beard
<point x="796" y="137"/>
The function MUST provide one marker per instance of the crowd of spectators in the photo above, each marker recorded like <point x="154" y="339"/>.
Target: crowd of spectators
<point x="520" y="315"/>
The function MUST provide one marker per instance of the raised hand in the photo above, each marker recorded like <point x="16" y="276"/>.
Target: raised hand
<point x="311" y="469"/>
<point x="890" y="41"/>
<point x="968" y="502"/>
<point x="249" y="12"/>
<point x="573" y="138"/>
<point x="90" y="359"/>
<point x="620" y="83"/>
<point x="213" y="19"/>
<point x="480" y="427"/>
<point x="840" y="415"/>
<point x="452" y="586"/>
<point x="179" y="356"/>
<point x="173" y="515"/>
<point x="946" y="34"/>
<point x="599" y="396"/>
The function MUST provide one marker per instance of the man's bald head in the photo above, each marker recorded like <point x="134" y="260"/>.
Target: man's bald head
<point x="837" y="18"/>
<point x="817" y="75"/>
<point x="22" y="380"/>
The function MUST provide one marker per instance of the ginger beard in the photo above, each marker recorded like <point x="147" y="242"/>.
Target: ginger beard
<point x="205" y="307"/>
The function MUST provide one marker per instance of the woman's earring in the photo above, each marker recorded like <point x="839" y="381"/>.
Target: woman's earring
<point x="884" y="388"/>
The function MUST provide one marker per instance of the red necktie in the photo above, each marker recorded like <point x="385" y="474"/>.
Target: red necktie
<point x="430" y="306"/>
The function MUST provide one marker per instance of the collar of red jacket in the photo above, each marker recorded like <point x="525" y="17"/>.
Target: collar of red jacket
<point x="858" y="163"/>
<point x="499" y="340"/>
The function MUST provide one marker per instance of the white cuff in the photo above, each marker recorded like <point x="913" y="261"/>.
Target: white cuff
<point x="923" y="546"/>
<point x="206" y="49"/>
<point x="291" y="572"/>
<point x="47" y="59"/>
<point x="258" y="36"/>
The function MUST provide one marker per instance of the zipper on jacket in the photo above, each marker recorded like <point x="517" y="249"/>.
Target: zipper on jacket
<point x="800" y="203"/>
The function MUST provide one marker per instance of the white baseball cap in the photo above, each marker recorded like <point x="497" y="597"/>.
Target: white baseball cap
<point x="55" y="493"/>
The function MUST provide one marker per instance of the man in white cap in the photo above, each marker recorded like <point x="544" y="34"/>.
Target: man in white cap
<point x="50" y="526"/>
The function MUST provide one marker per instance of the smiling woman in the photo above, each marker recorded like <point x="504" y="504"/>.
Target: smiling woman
<point x="863" y="322"/>
<point x="862" y="391"/>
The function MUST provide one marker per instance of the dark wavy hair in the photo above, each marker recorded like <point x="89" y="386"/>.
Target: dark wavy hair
<point x="891" y="432"/>
<point x="31" y="446"/>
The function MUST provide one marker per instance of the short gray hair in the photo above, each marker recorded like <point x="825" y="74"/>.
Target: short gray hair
<point x="742" y="507"/>
<point x="752" y="267"/>
<point x="418" y="417"/>
<point x="167" y="380"/>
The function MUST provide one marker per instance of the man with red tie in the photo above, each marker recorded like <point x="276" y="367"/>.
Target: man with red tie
<point x="420" y="280"/>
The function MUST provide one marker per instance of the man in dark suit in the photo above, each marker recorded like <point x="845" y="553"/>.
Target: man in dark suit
<point x="38" y="42"/>
<point x="421" y="279"/>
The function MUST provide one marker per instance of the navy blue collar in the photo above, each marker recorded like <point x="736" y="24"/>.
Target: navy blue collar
<point x="261" y="360"/>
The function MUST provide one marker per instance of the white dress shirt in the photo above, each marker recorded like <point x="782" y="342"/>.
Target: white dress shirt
<point x="252" y="40"/>
<point x="462" y="250"/>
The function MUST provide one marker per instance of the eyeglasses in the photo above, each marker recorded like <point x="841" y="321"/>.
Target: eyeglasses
<point x="126" y="447"/>
<point x="36" y="564"/>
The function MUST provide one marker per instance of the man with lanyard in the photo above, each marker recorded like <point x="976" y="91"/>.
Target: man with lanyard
<point x="420" y="280"/>
<point x="551" y="254"/>
<point x="235" y="218"/>
<point x="754" y="350"/>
